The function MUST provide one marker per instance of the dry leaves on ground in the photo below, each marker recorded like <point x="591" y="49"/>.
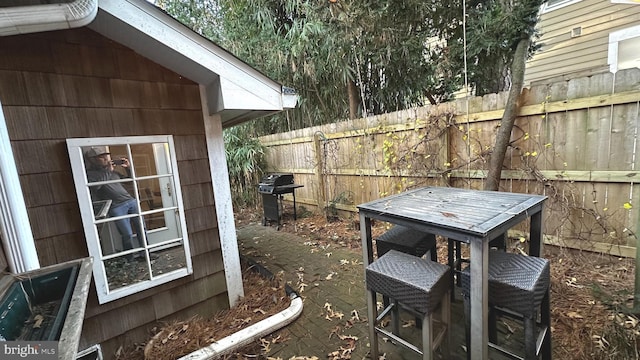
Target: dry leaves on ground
<point x="263" y="298"/>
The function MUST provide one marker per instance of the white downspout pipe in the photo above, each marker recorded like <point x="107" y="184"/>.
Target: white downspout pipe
<point x="17" y="237"/>
<point x="250" y="334"/>
<point x="37" y="18"/>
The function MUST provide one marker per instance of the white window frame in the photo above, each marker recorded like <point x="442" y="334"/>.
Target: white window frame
<point x="547" y="8"/>
<point x="615" y="38"/>
<point x="76" y="156"/>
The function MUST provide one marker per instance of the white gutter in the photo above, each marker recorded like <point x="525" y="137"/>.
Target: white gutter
<point x="248" y="335"/>
<point x="37" y="18"/>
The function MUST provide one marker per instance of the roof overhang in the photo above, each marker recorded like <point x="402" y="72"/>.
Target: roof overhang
<point x="235" y="90"/>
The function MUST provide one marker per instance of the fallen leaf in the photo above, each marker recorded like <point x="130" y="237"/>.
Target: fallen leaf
<point x="38" y="321"/>
<point x="330" y="276"/>
<point x="574" y="315"/>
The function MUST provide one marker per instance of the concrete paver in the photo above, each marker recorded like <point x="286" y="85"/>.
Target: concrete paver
<point x="330" y="281"/>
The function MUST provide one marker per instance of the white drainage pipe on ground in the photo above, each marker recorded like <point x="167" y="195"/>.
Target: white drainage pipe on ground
<point x="248" y="335"/>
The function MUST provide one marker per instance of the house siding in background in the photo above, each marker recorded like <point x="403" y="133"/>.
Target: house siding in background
<point x="575" y="39"/>
<point x="77" y="83"/>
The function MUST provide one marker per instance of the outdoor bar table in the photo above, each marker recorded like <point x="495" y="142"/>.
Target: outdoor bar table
<point x="471" y="216"/>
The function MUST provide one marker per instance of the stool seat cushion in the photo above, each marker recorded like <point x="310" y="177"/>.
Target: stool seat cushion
<point x="406" y="240"/>
<point x="516" y="282"/>
<point x="414" y="282"/>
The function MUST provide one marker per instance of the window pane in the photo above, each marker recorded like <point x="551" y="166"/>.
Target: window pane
<point x="120" y="235"/>
<point x="157" y="193"/>
<point x="162" y="226"/>
<point x="151" y="159"/>
<point x="628" y="53"/>
<point x="167" y="258"/>
<point x="126" y="270"/>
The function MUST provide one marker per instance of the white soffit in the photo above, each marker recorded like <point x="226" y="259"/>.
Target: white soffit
<point x="154" y="34"/>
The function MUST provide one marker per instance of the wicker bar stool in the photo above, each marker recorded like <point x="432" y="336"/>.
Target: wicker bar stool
<point x="419" y="286"/>
<point x="455" y="257"/>
<point x="518" y="288"/>
<point x="408" y="241"/>
<point x="455" y="252"/>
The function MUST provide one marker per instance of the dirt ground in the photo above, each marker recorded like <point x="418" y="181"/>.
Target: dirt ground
<point x="591" y="300"/>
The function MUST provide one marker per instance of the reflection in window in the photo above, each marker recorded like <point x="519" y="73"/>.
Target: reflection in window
<point x="129" y="196"/>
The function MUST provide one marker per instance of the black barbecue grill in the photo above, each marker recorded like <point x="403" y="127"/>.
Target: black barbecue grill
<point x="272" y="187"/>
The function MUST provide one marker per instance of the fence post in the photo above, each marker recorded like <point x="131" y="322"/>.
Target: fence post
<point x="318" y="138"/>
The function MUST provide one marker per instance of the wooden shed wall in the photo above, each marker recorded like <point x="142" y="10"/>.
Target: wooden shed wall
<point x="574" y="141"/>
<point x="77" y="83"/>
<point x="562" y="56"/>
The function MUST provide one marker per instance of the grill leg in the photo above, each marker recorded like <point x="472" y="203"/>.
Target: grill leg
<point x="295" y="214"/>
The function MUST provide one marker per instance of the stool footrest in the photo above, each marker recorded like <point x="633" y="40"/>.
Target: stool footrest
<point x="385" y="312"/>
<point x="399" y="340"/>
<point x="540" y="341"/>
<point x="437" y="339"/>
<point x="505" y="351"/>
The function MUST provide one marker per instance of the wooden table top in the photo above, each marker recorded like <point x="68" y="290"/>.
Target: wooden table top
<point x="472" y="212"/>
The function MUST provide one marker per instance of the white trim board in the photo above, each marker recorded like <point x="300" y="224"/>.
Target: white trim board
<point x="224" y="208"/>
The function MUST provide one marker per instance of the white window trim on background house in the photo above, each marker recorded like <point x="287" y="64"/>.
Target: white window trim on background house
<point x="630" y="2"/>
<point x="614" y="40"/>
<point x="546" y="7"/>
<point x="76" y="156"/>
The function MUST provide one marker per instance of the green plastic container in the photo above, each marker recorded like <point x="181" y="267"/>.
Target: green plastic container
<point x="35" y="309"/>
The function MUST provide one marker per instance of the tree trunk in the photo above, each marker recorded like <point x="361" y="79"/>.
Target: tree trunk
<point x="352" y="90"/>
<point x="503" y="137"/>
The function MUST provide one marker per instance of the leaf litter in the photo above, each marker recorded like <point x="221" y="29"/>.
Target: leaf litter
<point x="591" y="295"/>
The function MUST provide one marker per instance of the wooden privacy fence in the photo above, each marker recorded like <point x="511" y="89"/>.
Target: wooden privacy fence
<point x="575" y="141"/>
